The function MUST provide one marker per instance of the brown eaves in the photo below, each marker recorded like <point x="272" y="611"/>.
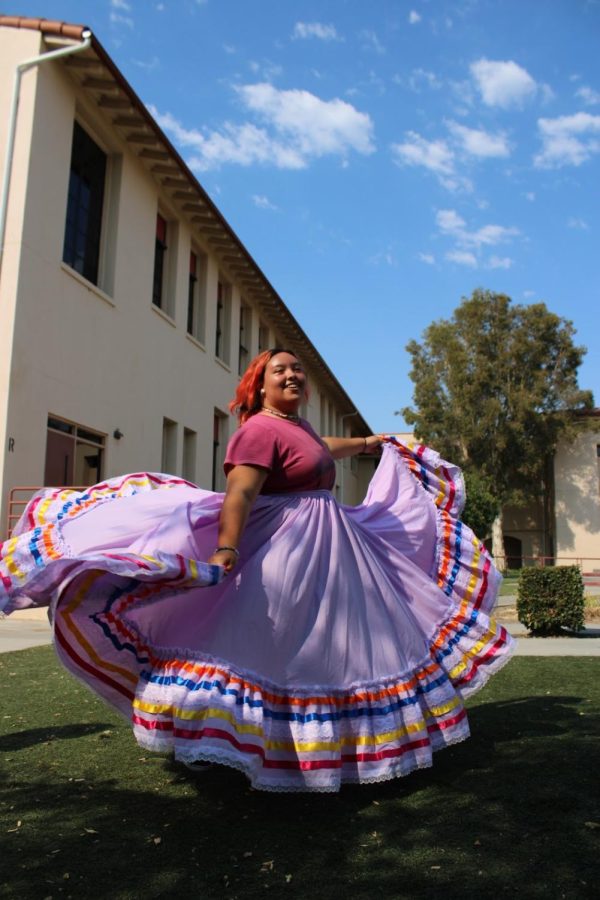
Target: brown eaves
<point x="297" y="336"/>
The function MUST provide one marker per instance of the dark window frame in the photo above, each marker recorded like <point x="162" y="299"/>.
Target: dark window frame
<point x="85" y="205"/>
<point x="160" y="252"/>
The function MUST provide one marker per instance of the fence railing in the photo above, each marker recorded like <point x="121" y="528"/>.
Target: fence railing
<point x="589" y="565"/>
<point x="19" y="497"/>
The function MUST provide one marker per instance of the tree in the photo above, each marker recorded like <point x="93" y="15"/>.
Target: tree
<point x="482" y="507"/>
<point x="495" y="388"/>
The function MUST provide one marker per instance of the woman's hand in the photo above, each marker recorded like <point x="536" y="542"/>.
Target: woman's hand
<point x="373" y="442"/>
<point x="224" y="556"/>
<point x="341" y="448"/>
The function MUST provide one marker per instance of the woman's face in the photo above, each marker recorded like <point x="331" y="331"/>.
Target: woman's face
<point x="284" y="383"/>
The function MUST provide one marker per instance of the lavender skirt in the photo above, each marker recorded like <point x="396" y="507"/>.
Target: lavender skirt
<point x="340" y="649"/>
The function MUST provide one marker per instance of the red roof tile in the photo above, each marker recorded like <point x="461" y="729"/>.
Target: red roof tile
<point x="46" y="26"/>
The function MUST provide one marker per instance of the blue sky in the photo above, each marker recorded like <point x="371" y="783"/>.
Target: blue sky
<point x="380" y="159"/>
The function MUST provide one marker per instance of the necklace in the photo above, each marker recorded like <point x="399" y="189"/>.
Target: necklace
<point x="292" y="417"/>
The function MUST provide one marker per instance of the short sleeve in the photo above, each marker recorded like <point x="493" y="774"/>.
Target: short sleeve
<point x="251" y="446"/>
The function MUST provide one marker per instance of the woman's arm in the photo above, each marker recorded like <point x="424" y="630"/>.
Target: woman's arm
<point x="243" y="487"/>
<point x="340" y="448"/>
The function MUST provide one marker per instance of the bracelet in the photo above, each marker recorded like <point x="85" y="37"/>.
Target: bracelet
<point x="231" y="549"/>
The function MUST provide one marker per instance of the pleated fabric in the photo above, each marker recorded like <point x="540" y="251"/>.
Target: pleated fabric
<point x="340" y="650"/>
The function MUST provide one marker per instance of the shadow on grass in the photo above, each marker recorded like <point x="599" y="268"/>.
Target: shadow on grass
<point x="503" y="814"/>
<point x="32" y="737"/>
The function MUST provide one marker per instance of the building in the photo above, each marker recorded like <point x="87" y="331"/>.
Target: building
<point x="564" y="524"/>
<point x="561" y="526"/>
<point x="128" y="306"/>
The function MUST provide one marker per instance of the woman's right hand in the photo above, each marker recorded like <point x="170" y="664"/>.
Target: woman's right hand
<point x="226" y="558"/>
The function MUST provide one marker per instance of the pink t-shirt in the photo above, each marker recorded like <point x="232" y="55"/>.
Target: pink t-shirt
<point x="294" y="455"/>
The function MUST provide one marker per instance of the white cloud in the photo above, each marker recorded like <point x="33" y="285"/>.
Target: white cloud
<point x="427" y="258"/>
<point x="266" y="70"/>
<point x="121" y="4"/>
<point x="462" y="258"/>
<point x="503" y="84"/>
<point x="448" y="220"/>
<point x="529" y="294"/>
<point x="298" y="127"/>
<point x="147" y="65"/>
<point x="386" y="257"/>
<point x="243" y="145"/>
<point x="304" y="30"/>
<point x="118" y="19"/>
<point x="263" y="202"/>
<point x="469" y="243"/>
<point x="419" y="79"/>
<point x="490" y="235"/>
<point x="589" y="96"/>
<point x="568" y="140"/>
<point x="414" y="17"/>
<point x="441" y="157"/>
<point x="417" y="151"/>
<point x="530" y="196"/>
<point x="479" y="143"/>
<point x="314" y="126"/>
<point x="580" y="224"/>
<point x="372" y="42"/>
<point x="500" y="262"/>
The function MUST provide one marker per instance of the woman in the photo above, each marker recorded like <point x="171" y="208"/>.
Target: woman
<point x="340" y="644"/>
<point x="302" y="461"/>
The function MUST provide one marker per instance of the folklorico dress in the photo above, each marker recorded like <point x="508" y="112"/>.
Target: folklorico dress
<point x="339" y="650"/>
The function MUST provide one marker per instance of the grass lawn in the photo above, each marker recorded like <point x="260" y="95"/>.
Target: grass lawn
<point x="509" y="586"/>
<point x="515" y="811"/>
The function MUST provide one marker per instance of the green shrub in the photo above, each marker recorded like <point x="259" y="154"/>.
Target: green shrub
<point x="550" y="598"/>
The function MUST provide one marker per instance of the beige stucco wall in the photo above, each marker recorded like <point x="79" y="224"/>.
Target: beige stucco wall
<point x="526" y="523"/>
<point x="27" y="46"/>
<point x="577" y="488"/>
<point x="105" y="358"/>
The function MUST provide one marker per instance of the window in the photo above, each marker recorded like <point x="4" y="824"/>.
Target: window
<point x="244" y="338"/>
<point x="223" y="320"/>
<point x="263" y="338"/>
<point x="74" y="454"/>
<point x="196" y="313"/>
<point x="189" y="455"/>
<point x="81" y="249"/>
<point x="160" y="252"/>
<point x="219" y="442"/>
<point x="168" y="461"/>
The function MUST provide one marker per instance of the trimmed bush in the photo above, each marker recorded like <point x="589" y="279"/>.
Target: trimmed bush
<point x="550" y="598"/>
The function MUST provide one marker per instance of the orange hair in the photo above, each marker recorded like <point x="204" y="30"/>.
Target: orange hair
<point x="247" y="401"/>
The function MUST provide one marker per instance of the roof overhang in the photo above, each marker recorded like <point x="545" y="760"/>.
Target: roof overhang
<point x="98" y="76"/>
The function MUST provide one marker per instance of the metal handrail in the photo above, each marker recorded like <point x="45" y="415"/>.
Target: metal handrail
<point x="582" y="561"/>
<point x="15" y="502"/>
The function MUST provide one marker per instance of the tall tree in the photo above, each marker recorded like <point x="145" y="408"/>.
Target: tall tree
<point x="495" y="388"/>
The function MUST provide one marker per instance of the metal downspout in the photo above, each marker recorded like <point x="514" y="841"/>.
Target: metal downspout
<point x="12" y="128"/>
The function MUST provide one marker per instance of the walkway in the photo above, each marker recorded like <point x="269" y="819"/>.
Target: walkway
<point x="30" y="628"/>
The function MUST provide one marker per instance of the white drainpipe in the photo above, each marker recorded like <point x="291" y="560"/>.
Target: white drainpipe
<point x="12" y="127"/>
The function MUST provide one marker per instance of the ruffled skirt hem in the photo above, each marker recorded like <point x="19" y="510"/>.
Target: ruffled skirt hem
<point x="285" y="734"/>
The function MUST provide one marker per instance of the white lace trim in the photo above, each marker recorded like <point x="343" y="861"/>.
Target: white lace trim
<point x="319" y="783"/>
